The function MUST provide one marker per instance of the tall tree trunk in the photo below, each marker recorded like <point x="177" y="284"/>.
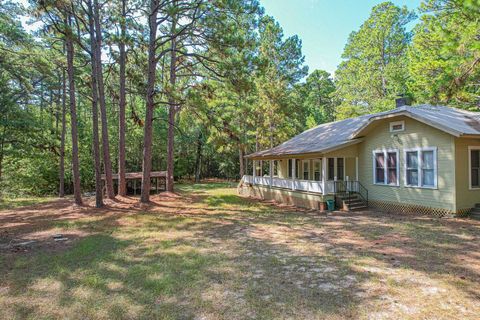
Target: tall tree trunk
<point x="257" y="148"/>
<point x="103" y="108"/>
<point x="122" y="184"/>
<point x="73" y="116"/>
<point x="241" y="154"/>
<point x="61" y="171"/>
<point x="198" y="159"/>
<point x="148" y="129"/>
<point x="172" y="105"/>
<point x="2" y="148"/>
<point x="96" y="140"/>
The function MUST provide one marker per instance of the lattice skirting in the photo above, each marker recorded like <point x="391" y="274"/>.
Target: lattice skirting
<point x="283" y="196"/>
<point x="404" y="208"/>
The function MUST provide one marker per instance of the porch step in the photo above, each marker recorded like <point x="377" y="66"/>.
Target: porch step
<point x="475" y="213"/>
<point x="357" y="207"/>
<point x="355" y="203"/>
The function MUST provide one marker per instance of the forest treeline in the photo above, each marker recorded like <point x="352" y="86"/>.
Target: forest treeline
<point x="191" y="86"/>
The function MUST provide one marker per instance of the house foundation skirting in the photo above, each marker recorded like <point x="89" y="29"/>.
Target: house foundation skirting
<point x="296" y="198"/>
<point x="404" y="208"/>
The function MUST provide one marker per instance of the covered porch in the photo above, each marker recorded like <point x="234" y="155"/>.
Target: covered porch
<point x="304" y="174"/>
<point x="320" y="175"/>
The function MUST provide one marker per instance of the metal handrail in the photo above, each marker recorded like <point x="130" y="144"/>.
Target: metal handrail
<point x="365" y="190"/>
<point x="347" y="188"/>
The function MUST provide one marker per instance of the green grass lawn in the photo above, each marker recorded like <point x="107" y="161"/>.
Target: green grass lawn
<point x="11" y="203"/>
<point x="209" y="254"/>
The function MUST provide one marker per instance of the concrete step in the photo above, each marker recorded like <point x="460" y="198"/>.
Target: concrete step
<point x="351" y="199"/>
<point x="354" y="202"/>
<point x="357" y="207"/>
<point x="475" y="213"/>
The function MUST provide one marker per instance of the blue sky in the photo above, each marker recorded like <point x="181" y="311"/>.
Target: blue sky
<point x="323" y="25"/>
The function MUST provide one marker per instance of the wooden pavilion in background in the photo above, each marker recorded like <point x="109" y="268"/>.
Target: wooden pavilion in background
<point x="134" y="180"/>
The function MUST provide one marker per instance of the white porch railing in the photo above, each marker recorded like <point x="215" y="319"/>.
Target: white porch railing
<point x="302" y="185"/>
<point x="329" y="187"/>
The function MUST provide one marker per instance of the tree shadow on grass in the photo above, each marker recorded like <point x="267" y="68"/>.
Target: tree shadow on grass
<point x="102" y="274"/>
<point x="211" y="265"/>
<point x="241" y="259"/>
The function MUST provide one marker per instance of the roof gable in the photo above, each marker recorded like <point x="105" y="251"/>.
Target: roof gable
<point x="456" y="122"/>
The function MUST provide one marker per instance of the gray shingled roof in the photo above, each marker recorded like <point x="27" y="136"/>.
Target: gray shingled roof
<point x="328" y="136"/>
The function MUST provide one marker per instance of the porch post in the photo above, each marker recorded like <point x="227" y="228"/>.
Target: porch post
<point x="324" y="175"/>
<point x="254" y="163"/>
<point x="335" y="170"/>
<point x="356" y="174"/>
<point x="294" y="173"/>
<point x="271" y="173"/>
<point x="356" y="168"/>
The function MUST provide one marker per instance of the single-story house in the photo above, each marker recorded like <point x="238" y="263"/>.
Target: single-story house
<point x="422" y="159"/>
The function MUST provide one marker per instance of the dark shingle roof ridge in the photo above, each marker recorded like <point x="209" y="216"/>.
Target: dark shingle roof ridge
<point x="437" y="106"/>
<point x="336" y="122"/>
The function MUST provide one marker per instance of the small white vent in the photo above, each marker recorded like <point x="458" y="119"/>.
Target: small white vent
<point x="397" y="126"/>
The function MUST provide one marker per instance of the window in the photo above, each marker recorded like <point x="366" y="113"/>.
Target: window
<point x="298" y="169"/>
<point x="474" y="160"/>
<point x="412" y="168"/>
<point x="331" y="168"/>
<point x="379" y="168"/>
<point x="290" y="168"/>
<point x="397" y="126"/>
<point x="306" y="171"/>
<point x="392" y="168"/>
<point x="428" y="171"/>
<point x="386" y="167"/>
<point x="421" y="167"/>
<point x="316" y="170"/>
<point x="340" y="168"/>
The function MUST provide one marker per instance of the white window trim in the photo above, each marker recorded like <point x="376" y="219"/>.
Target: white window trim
<point x="385" y="170"/>
<point x="419" y="168"/>
<point x="470" y="148"/>
<point x="395" y="123"/>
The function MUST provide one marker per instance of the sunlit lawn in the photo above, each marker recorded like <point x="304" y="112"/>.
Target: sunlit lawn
<point x="11" y="203"/>
<point x="210" y="254"/>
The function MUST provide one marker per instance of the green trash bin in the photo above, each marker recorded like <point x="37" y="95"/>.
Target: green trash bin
<point x="331" y="205"/>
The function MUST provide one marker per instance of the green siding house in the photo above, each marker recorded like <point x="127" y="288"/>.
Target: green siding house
<point x="423" y="159"/>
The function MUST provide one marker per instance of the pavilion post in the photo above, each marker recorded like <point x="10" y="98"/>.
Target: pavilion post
<point x="254" y="164"/>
